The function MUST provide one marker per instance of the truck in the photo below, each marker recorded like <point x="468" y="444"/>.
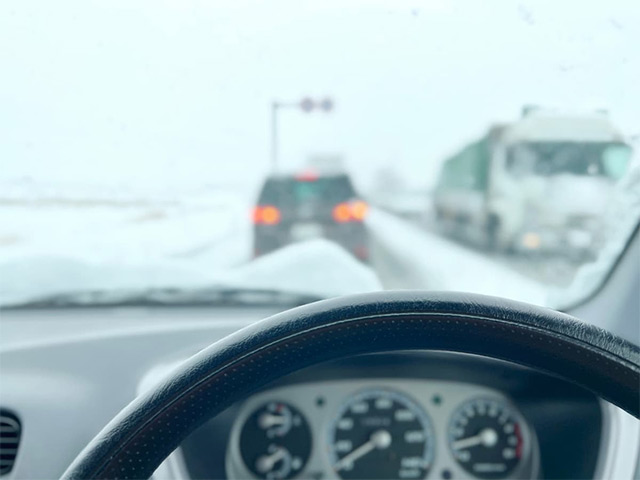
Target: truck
<point x="538" y="184"/>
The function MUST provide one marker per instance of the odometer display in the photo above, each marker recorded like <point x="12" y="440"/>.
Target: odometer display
<point x="381" y="434"/>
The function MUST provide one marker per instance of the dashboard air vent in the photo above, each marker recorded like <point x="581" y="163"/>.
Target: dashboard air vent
<point x="9" y="440"/>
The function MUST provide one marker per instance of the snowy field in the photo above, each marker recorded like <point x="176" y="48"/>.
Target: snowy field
<point x="121" y="227"/>
<point x="56" y="239"/>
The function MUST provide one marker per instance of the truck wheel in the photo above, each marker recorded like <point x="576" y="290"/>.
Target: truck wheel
<point x="492" y="233"/>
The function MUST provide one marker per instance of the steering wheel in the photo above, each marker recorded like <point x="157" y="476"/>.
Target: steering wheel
<point x="142" y="435"/>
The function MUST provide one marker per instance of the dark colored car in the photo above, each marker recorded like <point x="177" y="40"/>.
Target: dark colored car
<point x="296" y="208"/>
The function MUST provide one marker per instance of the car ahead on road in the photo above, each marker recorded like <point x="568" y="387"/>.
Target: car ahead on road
<point x="294" y="208"/>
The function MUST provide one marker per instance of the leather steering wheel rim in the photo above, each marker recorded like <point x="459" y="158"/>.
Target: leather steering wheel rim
<point x="143" y="434"/>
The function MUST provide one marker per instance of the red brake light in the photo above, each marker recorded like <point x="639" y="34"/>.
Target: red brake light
<point x="350" y="212"/>
<point x="307" y="176"/>
<point x="266" y="215"/>
<point x="359" y="210"/>
<point x="342" y="213"/>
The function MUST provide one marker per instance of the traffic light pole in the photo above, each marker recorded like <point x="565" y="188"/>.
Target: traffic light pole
<point x="274" y="136"/>
<point x="306" y="105"/>
<point x="275" y="108"/>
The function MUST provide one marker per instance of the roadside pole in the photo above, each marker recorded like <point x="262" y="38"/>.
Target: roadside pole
<point x="274" y="136"/>
<point x="307" y="105"/>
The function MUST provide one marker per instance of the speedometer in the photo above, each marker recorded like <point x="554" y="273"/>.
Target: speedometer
<point x="381" y="433"/>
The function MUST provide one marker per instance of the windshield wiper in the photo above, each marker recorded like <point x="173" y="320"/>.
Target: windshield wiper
<point x="168" y="297"/>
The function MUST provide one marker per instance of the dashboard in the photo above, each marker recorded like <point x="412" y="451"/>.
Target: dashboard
<point x="64" y="381"/>
<point x="403" y="415"/>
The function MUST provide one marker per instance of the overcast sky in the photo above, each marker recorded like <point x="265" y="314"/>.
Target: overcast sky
<point x="179" y="91"/>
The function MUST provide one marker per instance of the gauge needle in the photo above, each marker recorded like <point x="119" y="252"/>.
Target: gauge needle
<point x="267" y="420"/>
<point x="265" y="463"/>
<point x="380" y="439"/>
<point x="487" y="437"/>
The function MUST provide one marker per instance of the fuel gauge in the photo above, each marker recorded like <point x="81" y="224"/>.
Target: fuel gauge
<point x="275" y="441"/>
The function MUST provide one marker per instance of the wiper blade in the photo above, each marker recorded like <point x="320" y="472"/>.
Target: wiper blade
<point x="169" y="297"/>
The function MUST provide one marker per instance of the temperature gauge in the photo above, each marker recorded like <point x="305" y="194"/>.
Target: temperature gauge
<point x="275" y="441"/>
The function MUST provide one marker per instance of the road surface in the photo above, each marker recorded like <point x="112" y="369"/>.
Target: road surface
<point x="556" y="270"/>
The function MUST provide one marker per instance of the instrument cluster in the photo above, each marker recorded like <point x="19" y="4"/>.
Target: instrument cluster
<point x="381" y="429"/>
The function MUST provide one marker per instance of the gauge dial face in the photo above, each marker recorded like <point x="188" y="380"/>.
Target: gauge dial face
<point x="381" y="434"/>
<point x="275" y="441"/>
<point x="487" y="438"/>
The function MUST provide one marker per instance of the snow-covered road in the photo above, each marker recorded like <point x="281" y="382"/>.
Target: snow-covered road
<point x="406" y="256"/>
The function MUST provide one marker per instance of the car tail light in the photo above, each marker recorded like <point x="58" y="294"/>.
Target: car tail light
<point x="350" y="211"/>
<point x="342" y="213"/>
<point x="266" y="215"/>
<point x="307" y="176"/>
<point x="359" y="210"/>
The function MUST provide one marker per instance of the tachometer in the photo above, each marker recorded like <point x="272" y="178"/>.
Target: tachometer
<point x="487" y="437"/>
<point x="381" y="434"/>
<point x="275" y="441"/>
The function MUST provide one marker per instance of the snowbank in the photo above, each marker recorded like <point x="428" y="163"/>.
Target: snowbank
<point x="65" y="238"/>
<point x="319" y="268"/>
<point x="39" y="276"/>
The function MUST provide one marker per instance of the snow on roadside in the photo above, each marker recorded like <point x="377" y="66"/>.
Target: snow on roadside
<point x="126" y="228"/>
<point x="434" y="263"/>
<point x="57" y="238"/>
<point x="40" y="276"/>
<point x="65" y="238"/>
<point x="108" y="233"/>
<point x="319" y="268"/>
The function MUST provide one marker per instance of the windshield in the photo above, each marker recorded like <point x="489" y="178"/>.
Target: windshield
<point x="174" y="149"/>
<point x="298" y="190"/>
<point x="607" y="160"/>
